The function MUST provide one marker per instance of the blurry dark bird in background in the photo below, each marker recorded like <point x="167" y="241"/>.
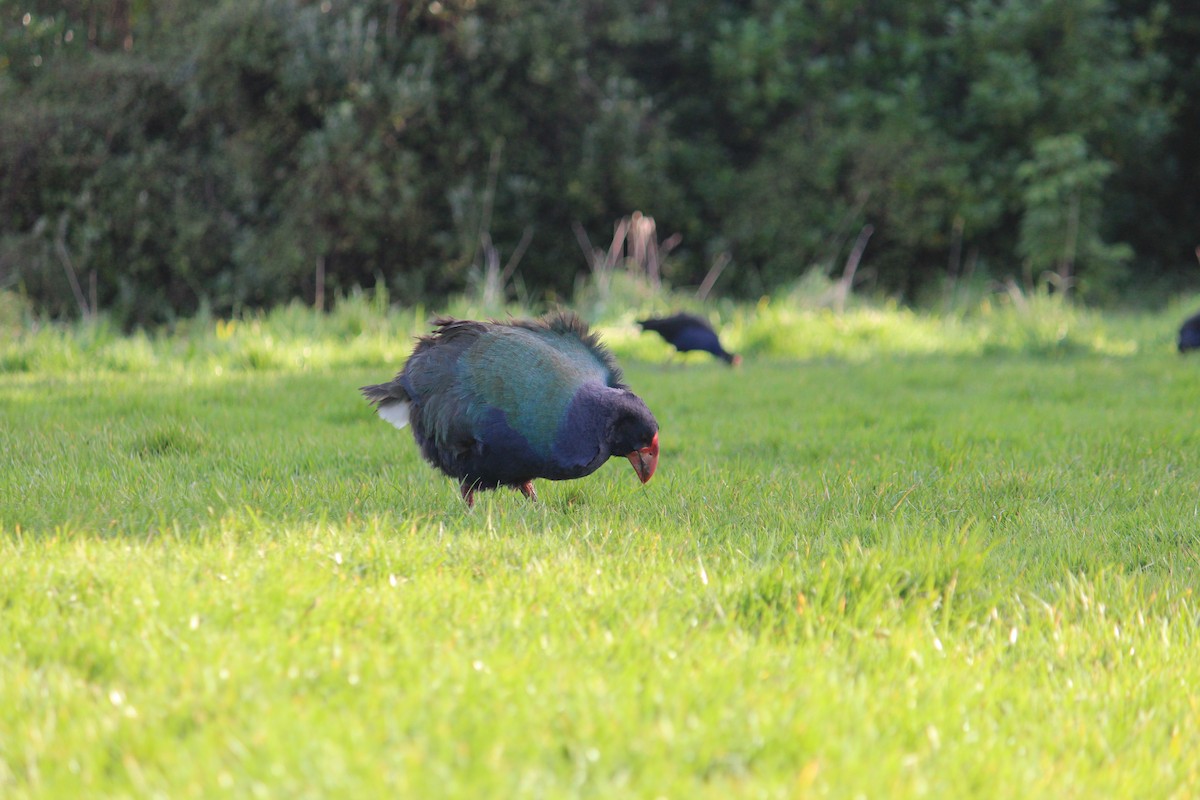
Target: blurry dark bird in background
<point x="687" y="332"/>
<point x="1189" y="334"/>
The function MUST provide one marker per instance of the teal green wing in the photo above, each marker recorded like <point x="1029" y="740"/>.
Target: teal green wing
<point x="531" y="371"/>
<point x="569" y="334"/>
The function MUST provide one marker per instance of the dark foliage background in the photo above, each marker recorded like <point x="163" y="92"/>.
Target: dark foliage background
<point x="161" y="157"/>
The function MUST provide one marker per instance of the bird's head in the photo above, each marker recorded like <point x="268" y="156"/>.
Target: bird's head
<point x="635" y="436"/>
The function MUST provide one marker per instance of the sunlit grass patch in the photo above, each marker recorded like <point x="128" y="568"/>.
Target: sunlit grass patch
<point x="1038" y="325"/>
<point x="363" y="330"/>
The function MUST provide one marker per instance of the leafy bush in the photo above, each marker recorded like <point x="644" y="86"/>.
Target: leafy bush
<point x="161" y="159"/>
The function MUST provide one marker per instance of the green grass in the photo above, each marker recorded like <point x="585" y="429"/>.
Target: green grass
<point x="962" y="567"/>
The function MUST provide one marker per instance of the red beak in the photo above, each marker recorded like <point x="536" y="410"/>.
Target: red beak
<point x="645" y="461"/>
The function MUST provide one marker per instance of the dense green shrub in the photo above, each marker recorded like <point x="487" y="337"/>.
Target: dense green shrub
<point x="159" y="158"/>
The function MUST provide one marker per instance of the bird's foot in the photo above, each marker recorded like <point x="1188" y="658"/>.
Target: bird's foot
<point x="468" y="494"/>
<point x="526" y="489"/>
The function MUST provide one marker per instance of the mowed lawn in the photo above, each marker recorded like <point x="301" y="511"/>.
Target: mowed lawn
<point x="894" y="577"/>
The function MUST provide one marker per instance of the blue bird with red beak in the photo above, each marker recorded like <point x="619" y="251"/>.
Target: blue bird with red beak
<point x="503" y="403"/>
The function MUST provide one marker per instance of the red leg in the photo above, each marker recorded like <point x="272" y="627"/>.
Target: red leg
<point x="468" y="494"/>
<point x="526" y="489"/>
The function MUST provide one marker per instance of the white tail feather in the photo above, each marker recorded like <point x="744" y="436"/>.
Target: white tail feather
<point x="395" y="413"/>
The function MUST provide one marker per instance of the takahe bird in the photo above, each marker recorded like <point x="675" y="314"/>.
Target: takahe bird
<point x="501" y="403"/>
<point x="689" y="332"/>
<point x="1189" y="334"/>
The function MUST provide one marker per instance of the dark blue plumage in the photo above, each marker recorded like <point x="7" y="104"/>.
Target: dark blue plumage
<point x="1189" y="334"/>
<point x="500" y="404"/>
<point x="688" y="332"/>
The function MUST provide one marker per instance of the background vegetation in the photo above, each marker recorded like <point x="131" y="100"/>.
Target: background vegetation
<point x="159" y="158"/>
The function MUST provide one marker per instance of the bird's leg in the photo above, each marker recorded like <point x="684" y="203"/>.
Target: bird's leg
<point x="526" y="489"/>
<point x="468" y="493"/>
